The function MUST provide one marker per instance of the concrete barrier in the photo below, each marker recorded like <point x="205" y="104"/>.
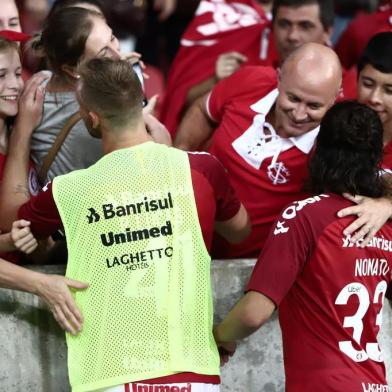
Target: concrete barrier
<point x="33" y="351"/>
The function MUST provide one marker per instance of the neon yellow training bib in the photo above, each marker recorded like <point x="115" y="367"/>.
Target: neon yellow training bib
<point x="133" y="234"/>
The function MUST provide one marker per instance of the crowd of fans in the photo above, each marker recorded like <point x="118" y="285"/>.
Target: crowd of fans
<point x="247" y="81"/>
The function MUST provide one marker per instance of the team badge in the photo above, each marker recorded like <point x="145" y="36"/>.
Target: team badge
<point x="278" y="173"/>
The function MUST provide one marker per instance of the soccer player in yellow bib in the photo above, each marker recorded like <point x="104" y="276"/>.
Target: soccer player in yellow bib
<point x="138" y="225"/>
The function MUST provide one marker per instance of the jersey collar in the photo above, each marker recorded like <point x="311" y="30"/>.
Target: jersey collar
<point x="304" y="142"/>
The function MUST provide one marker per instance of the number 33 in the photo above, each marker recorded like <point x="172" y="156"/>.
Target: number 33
<point x="372" y="350"/>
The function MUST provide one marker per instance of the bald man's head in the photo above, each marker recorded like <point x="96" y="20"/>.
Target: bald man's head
<point x="309" y="83"/>
<point x="314" y="63"/>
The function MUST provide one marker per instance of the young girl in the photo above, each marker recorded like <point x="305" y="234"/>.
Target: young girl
<point x="12" y="126"/>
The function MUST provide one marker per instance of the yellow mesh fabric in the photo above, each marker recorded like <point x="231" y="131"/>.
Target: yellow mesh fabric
<point x="133" y="234"/>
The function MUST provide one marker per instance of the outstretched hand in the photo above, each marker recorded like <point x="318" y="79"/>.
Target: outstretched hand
<point x="55" y="291"/>
<point x="372" y="215"/>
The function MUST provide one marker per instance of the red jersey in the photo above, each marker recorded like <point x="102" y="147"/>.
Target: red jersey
<point x="330" y="294"/>
<point x="265" y="174"/>
<point x="219" y="26"/>
<point x="354" y="40"/>
<point x="15" y="257"/>
<point x="215" y="201"/>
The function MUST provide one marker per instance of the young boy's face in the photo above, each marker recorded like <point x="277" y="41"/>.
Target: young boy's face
<point x="375" y="90"/>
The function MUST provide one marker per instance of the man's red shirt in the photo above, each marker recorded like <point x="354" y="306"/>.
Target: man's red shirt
<point x="239" y="105"/>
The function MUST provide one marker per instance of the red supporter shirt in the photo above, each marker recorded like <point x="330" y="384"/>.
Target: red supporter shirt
<point x="330" y="294"/>
<point x="358" y="33"/>
<point x="15" y="257"/>
<point x="265" y="175"/>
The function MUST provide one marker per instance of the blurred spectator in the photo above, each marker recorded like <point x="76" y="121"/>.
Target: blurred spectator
<point x="375" y="86"/>
<point x="33" y="13"/>
<point x="354" y="40"/>
<point x="9" y="16"/>
<point x="217" y="28"/>
<point x="166" y="20"/>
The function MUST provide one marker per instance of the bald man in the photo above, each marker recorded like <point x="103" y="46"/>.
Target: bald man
<point x="262" y="126"/>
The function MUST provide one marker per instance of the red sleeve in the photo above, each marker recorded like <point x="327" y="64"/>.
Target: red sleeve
<point x="239" y="83"/>
<point x="227" y="202"/>
<point x="282" y="258"/>
<point x="215" y="198"/>
<point x="42" y="212"/>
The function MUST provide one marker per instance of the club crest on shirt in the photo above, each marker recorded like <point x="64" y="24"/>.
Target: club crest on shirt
<point x="278" y="173"/>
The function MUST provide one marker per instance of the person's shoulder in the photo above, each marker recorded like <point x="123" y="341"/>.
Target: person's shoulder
<point x="319" y="204"/>
<point x="319" y="210"/>
<point x="204" y="162"/>
<point x="208" y="167"/>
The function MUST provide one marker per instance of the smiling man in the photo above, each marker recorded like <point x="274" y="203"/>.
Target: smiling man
<point x="263" y="126"/>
